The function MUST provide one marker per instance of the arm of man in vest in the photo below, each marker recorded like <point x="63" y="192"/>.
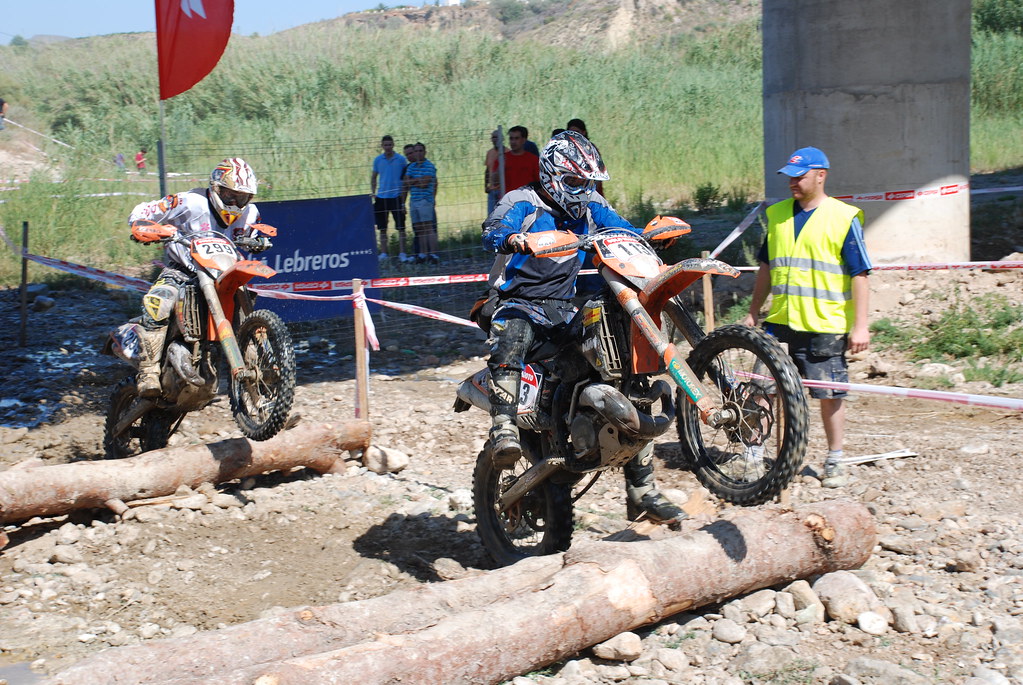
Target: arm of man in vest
<point x="859" y="337"/>
<point x="761" y="288"/>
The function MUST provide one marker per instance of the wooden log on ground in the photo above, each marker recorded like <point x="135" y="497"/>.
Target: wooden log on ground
<point x="61" y="488"/>
<point x="514" y="620"/>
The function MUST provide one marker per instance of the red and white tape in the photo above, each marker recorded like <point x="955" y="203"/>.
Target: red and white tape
<point x="360" y="300"/>
<point x="939" y="395"/>
<point x="424" y="312"/>
<point x="906" y="194"/>
<point x="937" y="266"/>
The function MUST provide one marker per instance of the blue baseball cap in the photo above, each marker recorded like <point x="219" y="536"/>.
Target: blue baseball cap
<point x="804" y="159"/>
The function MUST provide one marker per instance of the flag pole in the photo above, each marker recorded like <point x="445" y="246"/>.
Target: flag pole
<point x="159" y="154"/>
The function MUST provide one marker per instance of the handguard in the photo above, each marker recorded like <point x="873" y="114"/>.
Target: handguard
<point x="146" y="231"/>
<point x="665" y="229"/>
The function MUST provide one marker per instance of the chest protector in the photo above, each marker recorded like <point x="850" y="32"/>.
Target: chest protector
<point x="811" y="287"/>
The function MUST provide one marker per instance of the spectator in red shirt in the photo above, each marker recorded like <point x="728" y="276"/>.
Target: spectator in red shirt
<point x="521" y="167"/>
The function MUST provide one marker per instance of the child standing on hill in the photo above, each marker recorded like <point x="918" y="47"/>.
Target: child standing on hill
<point x="140" y="161"/>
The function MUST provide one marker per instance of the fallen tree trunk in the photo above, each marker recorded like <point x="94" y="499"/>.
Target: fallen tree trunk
<point x="58" y="489"/>
<point x="492" y="627"/>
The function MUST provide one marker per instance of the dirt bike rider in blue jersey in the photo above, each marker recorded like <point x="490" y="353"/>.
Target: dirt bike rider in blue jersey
<point x="225" y="207"/>
<point x="535" y="295"/>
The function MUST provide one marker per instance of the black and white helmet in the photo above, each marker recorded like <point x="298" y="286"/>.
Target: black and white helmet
<point x="570" y="167"/>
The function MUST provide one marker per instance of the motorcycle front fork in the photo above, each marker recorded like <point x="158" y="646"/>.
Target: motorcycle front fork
<point x="225" y="332"/>
<point x="710" y="413"/>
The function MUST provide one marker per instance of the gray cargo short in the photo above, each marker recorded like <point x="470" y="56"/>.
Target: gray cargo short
<point x="818" y="357"/>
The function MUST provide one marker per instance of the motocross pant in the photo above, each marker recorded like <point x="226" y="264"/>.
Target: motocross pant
<point x="511" y="339"/>
<point x="158" y="303"/>
<point x="157" y="307"/>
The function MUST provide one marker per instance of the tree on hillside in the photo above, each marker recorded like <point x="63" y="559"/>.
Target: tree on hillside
<point x="19" y="42"/>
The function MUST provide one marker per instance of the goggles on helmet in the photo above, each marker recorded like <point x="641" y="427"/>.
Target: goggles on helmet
<point x="233" y="198"/>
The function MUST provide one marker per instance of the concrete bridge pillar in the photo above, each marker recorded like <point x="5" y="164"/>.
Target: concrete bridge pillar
<point x="884" y="89"/>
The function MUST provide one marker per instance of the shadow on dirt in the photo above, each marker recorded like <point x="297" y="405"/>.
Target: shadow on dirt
<point x="417" y="544"/>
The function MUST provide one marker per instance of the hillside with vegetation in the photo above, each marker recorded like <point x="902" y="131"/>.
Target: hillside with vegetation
<point x="671" y="93"/>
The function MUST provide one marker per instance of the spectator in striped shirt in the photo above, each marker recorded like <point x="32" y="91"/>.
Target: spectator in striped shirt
<point x="421" y="180"/>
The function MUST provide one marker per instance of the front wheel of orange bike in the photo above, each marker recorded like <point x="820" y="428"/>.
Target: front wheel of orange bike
<point x="754" y="455"/>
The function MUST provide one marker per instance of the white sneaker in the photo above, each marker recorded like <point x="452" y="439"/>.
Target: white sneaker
<point x="833" y="469"/>
<point x="835" y="474"/>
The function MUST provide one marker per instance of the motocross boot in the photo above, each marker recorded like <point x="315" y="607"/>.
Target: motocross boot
<point x="644" y="500"/>
<point x="504" y="434"/>
<point x="148" y="382"/>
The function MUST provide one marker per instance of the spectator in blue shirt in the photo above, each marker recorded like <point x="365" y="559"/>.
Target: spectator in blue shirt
<point x="387" y="198"/>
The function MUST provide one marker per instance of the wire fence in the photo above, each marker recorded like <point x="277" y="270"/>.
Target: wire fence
<point x="311" y="169"/>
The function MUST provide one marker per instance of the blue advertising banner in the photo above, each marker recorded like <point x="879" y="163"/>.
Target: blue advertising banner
<point x="319" y="243"/>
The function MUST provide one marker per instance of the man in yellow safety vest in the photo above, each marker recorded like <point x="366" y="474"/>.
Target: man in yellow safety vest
<point x="814" y="264"/>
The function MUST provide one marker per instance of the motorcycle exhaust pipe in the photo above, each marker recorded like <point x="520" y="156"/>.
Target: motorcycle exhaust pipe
<point x="473" y="391"/>
<point x="618" y="410"/>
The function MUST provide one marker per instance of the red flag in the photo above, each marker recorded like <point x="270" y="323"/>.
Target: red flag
<point x="190" y="38"/>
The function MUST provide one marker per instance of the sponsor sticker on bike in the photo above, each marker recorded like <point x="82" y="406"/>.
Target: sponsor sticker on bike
<point x="529" y="389"/>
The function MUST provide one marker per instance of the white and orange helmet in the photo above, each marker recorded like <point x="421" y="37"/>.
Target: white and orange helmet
<point x="232" y="185"/>
<point x="570" y="166"/>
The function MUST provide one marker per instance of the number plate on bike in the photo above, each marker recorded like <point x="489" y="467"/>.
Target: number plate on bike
<point x="211" y="247"/>
<point x="214" y="252"/>
<point x="631" y="253"/>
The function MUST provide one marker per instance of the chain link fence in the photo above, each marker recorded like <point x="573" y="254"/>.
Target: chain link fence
<point x="311" y="169"/>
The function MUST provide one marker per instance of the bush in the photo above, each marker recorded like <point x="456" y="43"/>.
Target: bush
<point x="998" y="16"/>
<point x="707" y="197"/>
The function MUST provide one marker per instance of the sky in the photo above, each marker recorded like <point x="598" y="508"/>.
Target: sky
<point x="81" y="18"/>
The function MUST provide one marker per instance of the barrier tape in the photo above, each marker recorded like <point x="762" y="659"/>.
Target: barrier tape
<point x="360" y="300"/>
<point x="389" y="282"/>
<point x="940" y="395"/>
<point x="740" y="229"/>
<point x="908" y="194"/>
<point x="58" y="142"/>
<point x="423" y="311"/>
<point x="878" y="196"/>
<point x="91" y="272"/>
<point x="948" y="266"/>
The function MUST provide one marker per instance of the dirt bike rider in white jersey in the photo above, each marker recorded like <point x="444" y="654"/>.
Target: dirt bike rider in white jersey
<point x="535" y="295"/>
<point x="224" y="206"/>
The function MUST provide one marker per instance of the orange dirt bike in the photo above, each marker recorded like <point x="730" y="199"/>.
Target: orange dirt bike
<point x="214" y="322"/>
<point x="592" y="404"/>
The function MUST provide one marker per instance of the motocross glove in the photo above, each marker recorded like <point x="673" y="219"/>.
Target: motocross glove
<point x="518" y="243"/>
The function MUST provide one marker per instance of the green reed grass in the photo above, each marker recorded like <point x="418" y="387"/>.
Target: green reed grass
<point x="670" y="116"/>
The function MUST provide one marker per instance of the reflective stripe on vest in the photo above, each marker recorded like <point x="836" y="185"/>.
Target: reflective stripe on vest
<point x="810" y="286"/>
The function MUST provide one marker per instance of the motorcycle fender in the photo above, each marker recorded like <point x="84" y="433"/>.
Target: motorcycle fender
<point x="234" y="278"/>
<point x="674" y="280"/>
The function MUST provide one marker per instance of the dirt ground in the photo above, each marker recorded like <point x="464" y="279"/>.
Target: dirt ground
<point x="949" y="517"/>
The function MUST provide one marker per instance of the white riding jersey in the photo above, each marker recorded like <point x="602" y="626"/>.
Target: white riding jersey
<point x="190" y="213"/>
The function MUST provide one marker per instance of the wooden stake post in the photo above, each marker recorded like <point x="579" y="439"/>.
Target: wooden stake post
<point x="708" y="298"/>
<point x="22" y="331"/>
<point x="361" y="357"/>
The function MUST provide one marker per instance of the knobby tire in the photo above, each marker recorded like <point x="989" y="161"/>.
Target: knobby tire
<point x="149" y="432"/>
<point x="539" y="524"/>
<point x="261" y="408"/>
<point x="738" y="366"/>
